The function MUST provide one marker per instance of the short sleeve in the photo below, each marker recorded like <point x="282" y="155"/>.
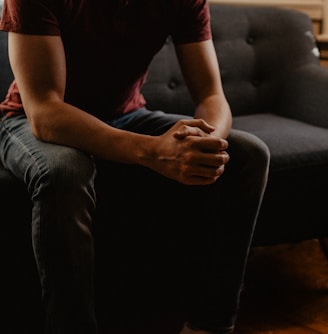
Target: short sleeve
<point x="193" y="22"/>
<point x="30" y="17"/>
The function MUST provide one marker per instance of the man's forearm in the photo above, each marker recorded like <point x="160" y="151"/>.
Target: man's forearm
<point x="216" y="111"/>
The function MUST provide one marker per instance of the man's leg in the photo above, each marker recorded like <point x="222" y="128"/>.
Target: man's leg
<point x="60" y="183"/>
<point x="228" y="211"/>
<point x="218" y="220"/>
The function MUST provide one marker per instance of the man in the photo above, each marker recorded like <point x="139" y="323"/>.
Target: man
<point x="75" y="106"/>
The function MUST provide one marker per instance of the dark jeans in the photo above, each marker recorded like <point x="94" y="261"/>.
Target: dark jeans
<point x="216" y="221"/>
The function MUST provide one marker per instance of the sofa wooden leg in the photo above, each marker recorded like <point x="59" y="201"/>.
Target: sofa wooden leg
<point x="324" y="246"/>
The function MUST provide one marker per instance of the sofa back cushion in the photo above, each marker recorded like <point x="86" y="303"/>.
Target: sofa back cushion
<point x="257" y="48"/>
<point x="5" y="71"/>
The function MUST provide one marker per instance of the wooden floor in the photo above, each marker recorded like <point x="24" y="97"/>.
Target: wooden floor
<point x="286" y="291"/>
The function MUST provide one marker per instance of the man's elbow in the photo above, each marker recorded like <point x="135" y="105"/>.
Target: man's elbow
<point x="40" y="127"/>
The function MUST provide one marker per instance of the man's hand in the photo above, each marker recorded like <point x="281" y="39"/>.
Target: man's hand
<point x="189" y="154"/>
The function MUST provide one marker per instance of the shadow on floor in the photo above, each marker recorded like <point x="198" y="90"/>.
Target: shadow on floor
<point x="286" y="291"/>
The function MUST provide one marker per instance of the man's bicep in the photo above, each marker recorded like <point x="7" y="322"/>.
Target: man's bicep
<point x="200" y="68"/>
<point x="39" y="66"/>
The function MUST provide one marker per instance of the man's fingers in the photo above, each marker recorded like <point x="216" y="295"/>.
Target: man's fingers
<point x="192" y="127"/>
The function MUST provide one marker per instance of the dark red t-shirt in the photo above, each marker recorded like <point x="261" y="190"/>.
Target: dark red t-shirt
<point x="109" y="44"/>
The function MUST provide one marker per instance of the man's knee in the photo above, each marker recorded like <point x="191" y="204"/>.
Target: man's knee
<point x="64" y="169"/>
<point x="246" y="148"/>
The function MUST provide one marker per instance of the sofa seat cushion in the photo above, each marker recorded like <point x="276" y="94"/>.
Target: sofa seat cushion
<point x="292" y="143"/>
<point x="298" y="174"/>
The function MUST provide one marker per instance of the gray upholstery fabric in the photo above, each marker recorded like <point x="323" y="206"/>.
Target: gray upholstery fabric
<point x="258" y="50"/>
<point x="293" y="144"/>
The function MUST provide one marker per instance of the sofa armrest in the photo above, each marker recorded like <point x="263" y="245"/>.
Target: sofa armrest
<point x="304" y="95"/>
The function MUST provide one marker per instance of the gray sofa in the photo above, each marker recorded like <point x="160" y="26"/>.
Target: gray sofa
<point x="277" y="90"/>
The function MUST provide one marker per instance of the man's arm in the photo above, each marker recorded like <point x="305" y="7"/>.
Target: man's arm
<point x="200" y="68"/>
<point x="39" y="67"/>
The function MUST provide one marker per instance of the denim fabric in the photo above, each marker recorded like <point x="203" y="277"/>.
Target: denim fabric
<point x="60" y="181"/>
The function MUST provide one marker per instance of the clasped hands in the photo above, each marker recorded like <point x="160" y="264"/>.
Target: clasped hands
<point x="191" y="153"/>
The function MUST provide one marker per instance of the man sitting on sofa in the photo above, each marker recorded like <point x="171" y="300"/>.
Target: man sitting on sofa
<point x="79" y="67"/>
